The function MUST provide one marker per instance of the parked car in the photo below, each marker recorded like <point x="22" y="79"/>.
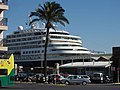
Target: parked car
<point x="106" y="79"/>
<point x="21" y="76"/>
<point x="64" y="75"/>
<point x="76" y="79"/>
<point x="39" y="78"/>
<point x="29" y="77"/>
<point x="85" y="76"/>
<point x="97" y="77"/>
<point x="55" y="78"/>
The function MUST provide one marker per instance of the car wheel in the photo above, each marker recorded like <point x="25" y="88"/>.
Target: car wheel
<point x="67" y="82"/>
<point x="20" y="80"/>
<point x="84" y="83"/>
<point x="17" y="79"/>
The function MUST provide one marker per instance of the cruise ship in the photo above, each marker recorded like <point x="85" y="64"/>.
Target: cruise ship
<point x="28" y="47"/>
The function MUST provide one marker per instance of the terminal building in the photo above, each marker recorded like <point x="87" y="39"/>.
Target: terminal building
<point x="100" y="63"/>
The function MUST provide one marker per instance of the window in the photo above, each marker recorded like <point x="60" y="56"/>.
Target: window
<point x="26" y="52"/>
<point x="75" y="77"/>
<point x="29" y="52"/>
<point x="23" y="52"/>
<point x="3" y="71"/>
<point x="38" y="51"/>
<point x="70" y="77"/>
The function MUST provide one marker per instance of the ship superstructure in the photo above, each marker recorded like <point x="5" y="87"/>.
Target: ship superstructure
<point x="28" y="47"/>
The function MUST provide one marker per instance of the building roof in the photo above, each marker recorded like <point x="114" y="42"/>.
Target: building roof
<point x="87" y="64"/>
<point x="107" y="58"/>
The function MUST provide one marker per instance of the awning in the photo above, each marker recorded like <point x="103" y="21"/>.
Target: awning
<point x="87" y="64"/>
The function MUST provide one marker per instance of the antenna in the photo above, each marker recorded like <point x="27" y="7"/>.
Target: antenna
<point x="20" y="27"/>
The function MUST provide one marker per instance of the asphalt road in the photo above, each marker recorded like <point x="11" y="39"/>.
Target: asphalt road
<point x="37" y="86"/>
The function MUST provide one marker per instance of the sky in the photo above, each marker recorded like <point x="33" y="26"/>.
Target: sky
<point x="97" y="22"/>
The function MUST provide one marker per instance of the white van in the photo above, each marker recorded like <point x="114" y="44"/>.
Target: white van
<point x="97" y="77"/>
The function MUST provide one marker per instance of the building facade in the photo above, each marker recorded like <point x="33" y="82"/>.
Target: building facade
<point x="3" y="24"/>
<point x="116" y="64"/>
<point x="102" y="64"/>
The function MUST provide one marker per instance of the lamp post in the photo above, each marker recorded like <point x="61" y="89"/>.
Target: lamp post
<point x="83" y="60"/>
<point x="118" y="73"/>
<point x="72" y="60"/>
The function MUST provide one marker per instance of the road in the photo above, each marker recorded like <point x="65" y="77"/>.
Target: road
<point x="37" y="86"/>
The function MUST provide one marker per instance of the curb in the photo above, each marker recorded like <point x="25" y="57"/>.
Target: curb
<point x="57" y="84"/>
<point x="116" y="83"/>
<point x="41" y="83"/>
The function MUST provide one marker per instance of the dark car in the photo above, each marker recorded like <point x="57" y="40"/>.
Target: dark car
<point x="21" y="76"/>
<point x="39" y="78"/>
<point x="29" y="77"/>
<point x="55" y="78"/>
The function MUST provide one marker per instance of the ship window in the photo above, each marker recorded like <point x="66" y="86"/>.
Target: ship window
<point x="16" y="32"/>
<point x="8" y="36"/>
<point x="44" y="33"/>
<point x="42" y="51"/>
<point x="26" y="52"/>
<point x="18" y="35"/>
<point x="59" y="33"/>
<point x="29" y="52"/>
<point x="43" y="41"/>
<point x="24" y="35"/>
<point x="29" y="34"/>
<point x="38" y="51"/>
<point x="38" y="33"/>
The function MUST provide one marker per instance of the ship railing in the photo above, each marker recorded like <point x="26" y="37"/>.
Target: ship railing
<point x="3" y="2"/>
<point x="3" y="21"/>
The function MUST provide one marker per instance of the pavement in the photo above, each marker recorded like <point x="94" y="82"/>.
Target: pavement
<point x="65" y="85"/>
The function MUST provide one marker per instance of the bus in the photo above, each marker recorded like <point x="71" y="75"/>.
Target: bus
<point x="7" y="71"/>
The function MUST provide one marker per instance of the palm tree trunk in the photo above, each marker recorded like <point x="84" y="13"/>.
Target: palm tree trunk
<point x="45" y="55"/>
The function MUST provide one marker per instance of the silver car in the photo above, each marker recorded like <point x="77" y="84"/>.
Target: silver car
<point x="85" y="76"/>
<point x="76" y="79"/>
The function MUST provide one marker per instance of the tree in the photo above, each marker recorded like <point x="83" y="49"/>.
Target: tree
<point x="49" y="13"/>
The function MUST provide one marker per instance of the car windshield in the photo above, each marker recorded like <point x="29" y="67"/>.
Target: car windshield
<point x="69" y="77"/>
<point x="85" y="76"/>
<point x="96" y="75"/>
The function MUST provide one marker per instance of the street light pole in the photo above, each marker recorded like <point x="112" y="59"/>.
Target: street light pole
<point x="83" y="60"/>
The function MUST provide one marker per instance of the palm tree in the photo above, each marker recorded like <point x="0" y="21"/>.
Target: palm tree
<point x="49" y="13"/>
